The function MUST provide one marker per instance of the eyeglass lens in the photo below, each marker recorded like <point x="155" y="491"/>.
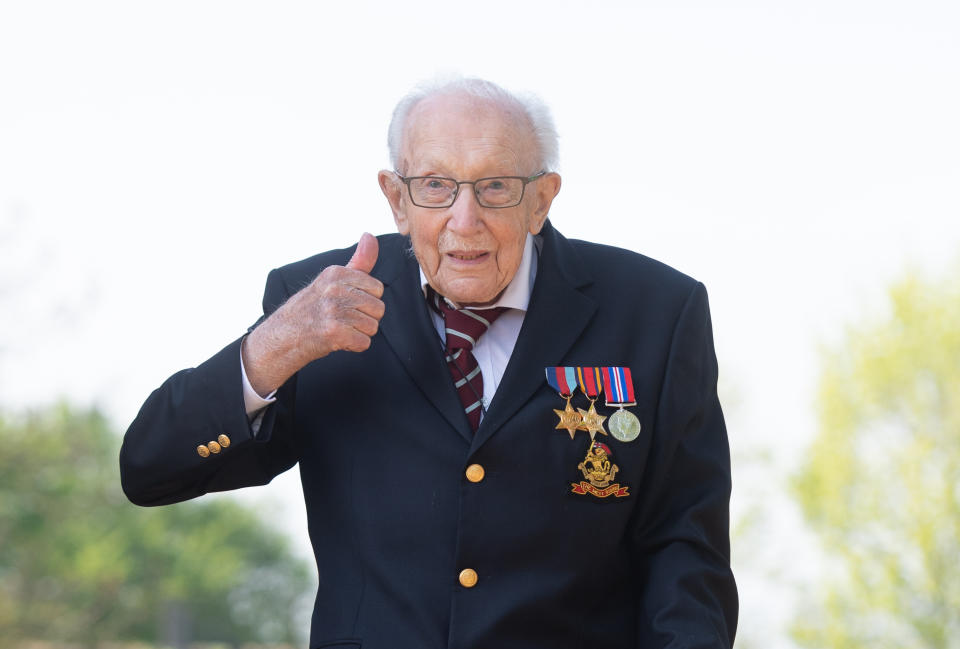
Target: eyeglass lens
<point x="491" y="192"/>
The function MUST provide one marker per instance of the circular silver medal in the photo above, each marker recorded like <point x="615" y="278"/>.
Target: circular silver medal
<point x="624" y="425"/>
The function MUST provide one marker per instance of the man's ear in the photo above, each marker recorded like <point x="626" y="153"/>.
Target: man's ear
<point x="547" y="188"/>
<point x="392" y="188"/>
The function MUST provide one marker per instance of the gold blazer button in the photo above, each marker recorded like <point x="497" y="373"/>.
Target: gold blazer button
<point x="468" y="578"/>
<point x="203" y="451"/>
<point x="475" y="473"/>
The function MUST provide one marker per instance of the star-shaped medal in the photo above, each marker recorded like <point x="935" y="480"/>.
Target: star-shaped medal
<point x="569" y="419"/>
<point x="591" y="421"/>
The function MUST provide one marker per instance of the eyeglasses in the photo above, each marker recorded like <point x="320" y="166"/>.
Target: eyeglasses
<point x="496" y="192"/>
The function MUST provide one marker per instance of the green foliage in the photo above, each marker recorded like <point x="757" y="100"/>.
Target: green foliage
<point x="881" y="483"/>
<point x="79" y="563"/>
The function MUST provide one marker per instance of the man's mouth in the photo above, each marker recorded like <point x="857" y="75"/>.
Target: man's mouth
<point x="467" y="256"/>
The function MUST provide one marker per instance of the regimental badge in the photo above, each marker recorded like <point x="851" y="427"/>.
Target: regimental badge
<point x="599" y="471"/>
<point x="618" y="386"/>
<point x="564" y="381"/>
<point x="588" y="378"/>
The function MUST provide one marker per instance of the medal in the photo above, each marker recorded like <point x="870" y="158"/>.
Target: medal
<point x="563" y="380"/>
<point x="599" y="472"/>
<point x="618" y="384"/>
<point x="588" y="378"/>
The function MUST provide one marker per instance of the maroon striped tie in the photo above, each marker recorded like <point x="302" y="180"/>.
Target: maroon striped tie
<point x="464" y="327"/>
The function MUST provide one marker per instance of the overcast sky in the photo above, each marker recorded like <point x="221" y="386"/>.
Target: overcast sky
<point x="158" y="159"/>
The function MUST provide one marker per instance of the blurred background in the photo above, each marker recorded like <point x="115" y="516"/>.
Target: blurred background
<point x="798" y="157"/>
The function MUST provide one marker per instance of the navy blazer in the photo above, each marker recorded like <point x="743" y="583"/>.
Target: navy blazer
<point x="383" y="445"/>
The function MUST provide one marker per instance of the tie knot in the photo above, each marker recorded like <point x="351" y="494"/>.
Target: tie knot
<point x="464" y="326"/>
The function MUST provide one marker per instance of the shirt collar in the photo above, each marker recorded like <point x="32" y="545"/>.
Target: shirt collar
<point x="517" y="293"/>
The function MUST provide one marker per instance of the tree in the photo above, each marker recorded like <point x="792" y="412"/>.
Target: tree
<point x="881" y="482"/>
<point x="78" y="563"/>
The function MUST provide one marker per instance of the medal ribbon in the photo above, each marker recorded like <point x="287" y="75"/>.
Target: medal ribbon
<point x="563" y="380"/>
<point x="588" y="378"/>
<point x="618" y="384"/>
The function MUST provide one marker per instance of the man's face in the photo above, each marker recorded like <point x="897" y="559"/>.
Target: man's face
<point x="468" y="253"/>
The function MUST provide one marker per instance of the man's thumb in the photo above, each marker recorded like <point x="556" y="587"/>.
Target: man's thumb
<point x="366" y="254"/>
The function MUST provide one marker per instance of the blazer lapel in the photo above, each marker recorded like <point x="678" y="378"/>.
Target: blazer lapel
<point x="557" y="314"/>
<point x="407" y="328"/>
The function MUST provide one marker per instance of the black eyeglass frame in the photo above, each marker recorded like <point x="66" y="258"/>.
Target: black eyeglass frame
<point x="406" y="180"/>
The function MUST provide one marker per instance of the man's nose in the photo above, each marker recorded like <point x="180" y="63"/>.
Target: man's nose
<point x="465" y="214"/>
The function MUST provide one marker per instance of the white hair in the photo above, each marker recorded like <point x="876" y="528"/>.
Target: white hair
<point x="541" y="121"/>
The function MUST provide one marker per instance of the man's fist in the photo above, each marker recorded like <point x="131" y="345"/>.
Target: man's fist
<point x="339" y="310"/>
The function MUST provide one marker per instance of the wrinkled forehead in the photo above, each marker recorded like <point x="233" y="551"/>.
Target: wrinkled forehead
<point x="468" y="132"/>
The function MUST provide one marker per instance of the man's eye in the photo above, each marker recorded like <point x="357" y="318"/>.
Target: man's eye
<point x="434" y="184"/>
<point x="496" y="185"/>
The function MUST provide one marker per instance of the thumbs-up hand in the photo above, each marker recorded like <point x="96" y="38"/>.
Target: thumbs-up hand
<point x="349" y="301"/>
<point x="339" y="310"/>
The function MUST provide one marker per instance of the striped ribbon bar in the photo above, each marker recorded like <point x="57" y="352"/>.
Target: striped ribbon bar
<point x="618" y="384"/>
<point x="563" y="380"/>
<point x="588" y="378"/>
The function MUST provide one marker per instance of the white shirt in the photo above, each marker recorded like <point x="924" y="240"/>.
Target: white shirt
<point x="493" y="349"/>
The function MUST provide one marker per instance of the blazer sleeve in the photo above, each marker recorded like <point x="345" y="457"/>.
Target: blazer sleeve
<point x="688" y="596"/>
<point x="159" y="461"/>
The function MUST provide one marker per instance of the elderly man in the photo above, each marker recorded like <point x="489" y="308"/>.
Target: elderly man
<point x="506" y="439"/>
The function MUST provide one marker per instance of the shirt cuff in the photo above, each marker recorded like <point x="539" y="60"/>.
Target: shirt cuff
<point x="253" y="402"/>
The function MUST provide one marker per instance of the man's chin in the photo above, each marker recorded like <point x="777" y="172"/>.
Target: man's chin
<point x="463" y="294"/>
